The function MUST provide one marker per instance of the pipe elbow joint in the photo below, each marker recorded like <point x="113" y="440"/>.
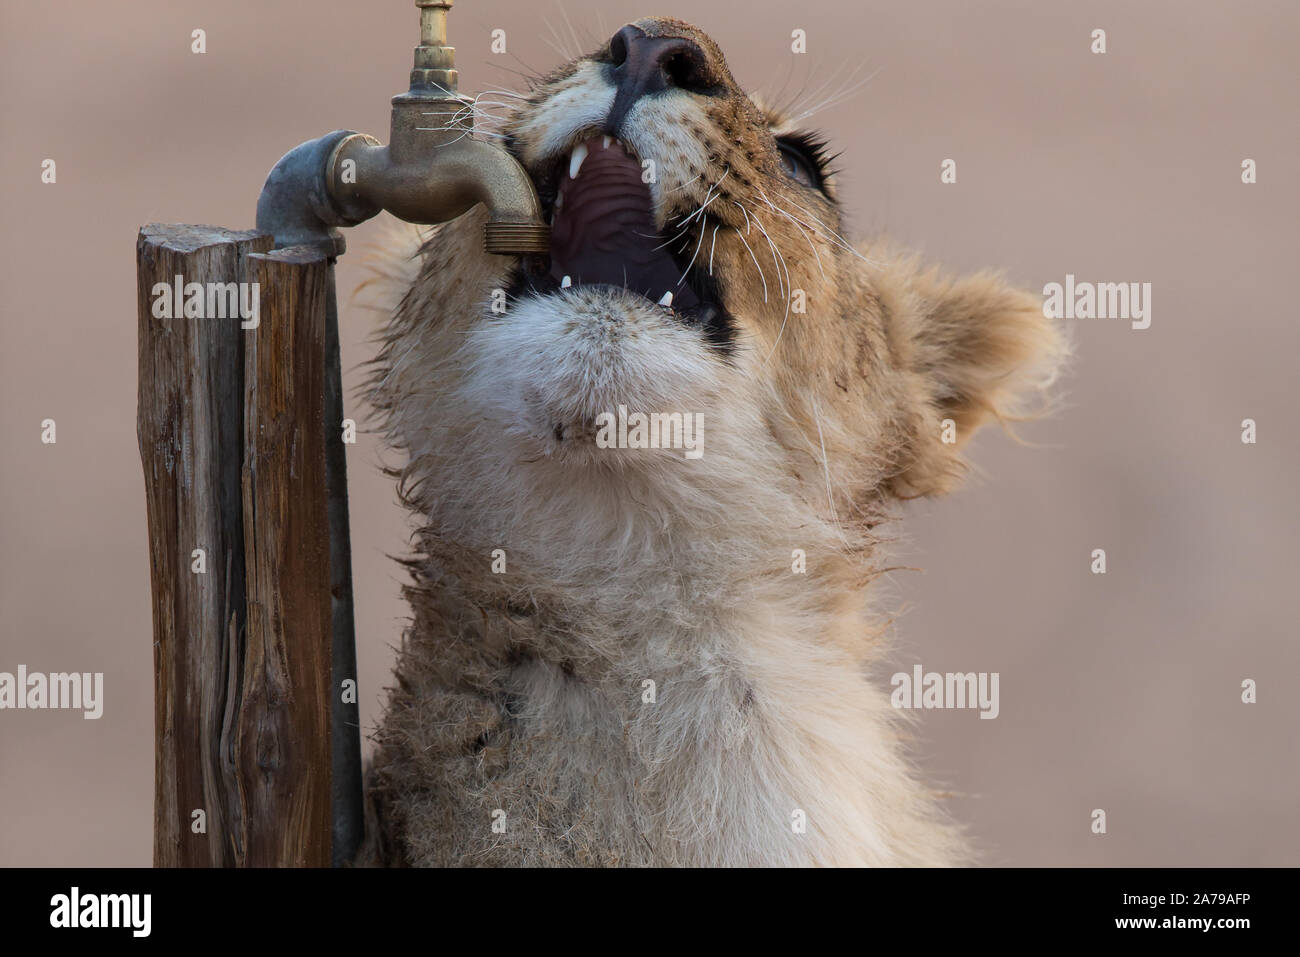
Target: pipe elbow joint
<point x="297" y="205"/>
<point x="515" y="223"/>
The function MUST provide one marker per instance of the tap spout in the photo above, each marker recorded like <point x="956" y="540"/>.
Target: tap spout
<point x="442" y="181"/>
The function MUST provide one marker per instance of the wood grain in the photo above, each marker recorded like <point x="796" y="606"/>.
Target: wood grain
<point x="283" y="737"/>
<point x="231" y="439"/>
<point x="189" y="426"/>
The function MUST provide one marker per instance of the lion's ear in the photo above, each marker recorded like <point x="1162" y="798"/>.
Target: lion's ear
<point x="968" y="351"/>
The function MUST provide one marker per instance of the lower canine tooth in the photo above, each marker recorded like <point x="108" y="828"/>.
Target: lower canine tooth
<point x="566" y="282"/>
<point x="575" y="160"/>
<point x="667" y="299"/>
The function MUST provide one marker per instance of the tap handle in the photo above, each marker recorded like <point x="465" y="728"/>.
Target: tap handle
<point x="435" y="61"/>
<point x="433" y="22"/>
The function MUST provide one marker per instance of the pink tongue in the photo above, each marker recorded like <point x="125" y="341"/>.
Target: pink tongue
<point x="604" y="231"/>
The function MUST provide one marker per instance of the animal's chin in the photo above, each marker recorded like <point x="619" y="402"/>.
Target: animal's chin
<point x="566" y="359"/>
<point x="603" y="234"/>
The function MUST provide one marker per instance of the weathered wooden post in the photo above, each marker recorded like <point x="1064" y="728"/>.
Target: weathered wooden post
<point x="232" y="437"/>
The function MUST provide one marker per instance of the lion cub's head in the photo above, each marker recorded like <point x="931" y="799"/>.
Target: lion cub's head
<point x="698" y="269"/>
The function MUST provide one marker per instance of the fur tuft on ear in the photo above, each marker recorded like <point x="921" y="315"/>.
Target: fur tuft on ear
<point x="970" y="351"/>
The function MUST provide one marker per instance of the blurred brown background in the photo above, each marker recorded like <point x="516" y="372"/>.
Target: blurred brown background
<point x="1119" y="692"/>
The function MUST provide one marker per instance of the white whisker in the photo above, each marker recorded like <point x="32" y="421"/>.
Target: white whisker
<point x="746" y="215"/>
<point x="708" y="201"/>
<point x="577" y="42"/>
<point x="802" y="231"/>
<point x="698" y="243"/>
<point x="685" y="184"/>
<point x="839" y="97"/>
<point x="826" y="467"/>
<point x="756" y="265"/>
<point x="777" y="258"/>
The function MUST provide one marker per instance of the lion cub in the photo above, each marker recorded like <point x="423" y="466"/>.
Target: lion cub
<point x="649" y="470"/>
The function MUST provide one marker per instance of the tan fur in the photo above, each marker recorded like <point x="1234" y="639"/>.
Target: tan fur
<point x="522" y="692"/>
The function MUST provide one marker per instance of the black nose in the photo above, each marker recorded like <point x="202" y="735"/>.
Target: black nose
<point x="644" y="64"/>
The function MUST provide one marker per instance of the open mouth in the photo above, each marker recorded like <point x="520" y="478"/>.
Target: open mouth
<point x="603" y="233"/>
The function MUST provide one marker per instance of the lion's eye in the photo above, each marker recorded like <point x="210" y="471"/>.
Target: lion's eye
<point x="796" y="166"/>
<point x="805" y="158"/>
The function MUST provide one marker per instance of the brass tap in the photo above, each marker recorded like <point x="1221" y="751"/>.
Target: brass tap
<point x="432" y="169"/>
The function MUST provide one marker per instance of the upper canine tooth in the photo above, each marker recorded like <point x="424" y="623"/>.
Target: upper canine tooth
<point x="566" y="282"/>
<point x="575" y="161"/>
<point x="605" y="141"/>
<point x="666" y="299"/>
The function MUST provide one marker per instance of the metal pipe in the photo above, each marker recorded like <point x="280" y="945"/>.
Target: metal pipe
<point x="430" y="171"/>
